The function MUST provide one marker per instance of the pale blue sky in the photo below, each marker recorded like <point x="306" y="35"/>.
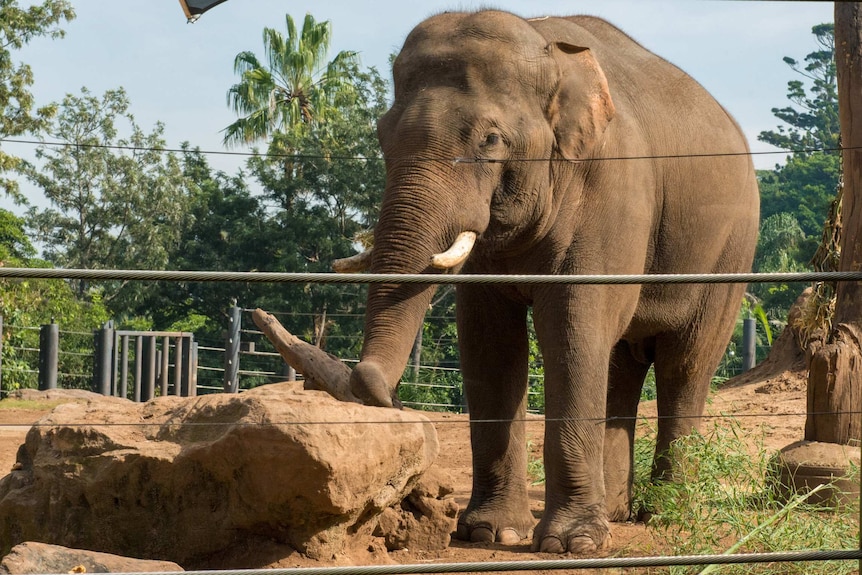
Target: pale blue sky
<point x="178" y="73"/>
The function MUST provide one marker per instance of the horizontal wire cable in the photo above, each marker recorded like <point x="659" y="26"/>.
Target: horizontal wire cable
<point x="455" y="160"/>
<point x="461" y="279"/>
<point x="427" y="420"/>
<point x="546" y="564"/>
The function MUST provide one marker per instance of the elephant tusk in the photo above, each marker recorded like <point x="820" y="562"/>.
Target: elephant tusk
<point x="354" y="264"/>
<point x="457" y="253"/>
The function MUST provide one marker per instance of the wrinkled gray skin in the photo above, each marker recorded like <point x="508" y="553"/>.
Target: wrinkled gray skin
<point x="492" y="86"/>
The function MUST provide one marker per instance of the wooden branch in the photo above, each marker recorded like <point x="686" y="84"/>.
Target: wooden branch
<point x="322" y="371"/>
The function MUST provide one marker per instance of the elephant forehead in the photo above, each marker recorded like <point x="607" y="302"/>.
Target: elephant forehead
<point x="486" y="25"/>
<point x="472" y="51"/>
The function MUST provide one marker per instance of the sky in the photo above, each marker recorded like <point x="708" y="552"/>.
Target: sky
<point x="179" y="73"/>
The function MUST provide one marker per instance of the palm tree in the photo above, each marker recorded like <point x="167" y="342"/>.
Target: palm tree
<point x="294" y="89"/>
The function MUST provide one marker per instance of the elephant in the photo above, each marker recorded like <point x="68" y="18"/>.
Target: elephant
<point x="557" y="146"/>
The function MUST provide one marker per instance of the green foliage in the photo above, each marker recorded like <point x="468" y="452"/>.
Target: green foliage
<point x="110" y="207"/>
<point x="536" y="370"/>
<point x="439" y="382"/>
<point x="309" y="207"/>
<point x="287" y="92"/>
<point x="805" y="185"/>
<point x="18" y="26"/>
<point x="782" y="247"/>
<point x="725" y="499"/>
<point x="796" y="196"/>
<point x="25" y="304"/>
<point x="813" y="122"/>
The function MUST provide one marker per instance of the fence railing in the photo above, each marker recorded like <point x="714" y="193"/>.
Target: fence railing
<point x="141" y="365"/>
<point x="235" y="348"/>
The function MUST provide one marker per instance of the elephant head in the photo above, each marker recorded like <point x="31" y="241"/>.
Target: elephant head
<point x="483" y="106"/>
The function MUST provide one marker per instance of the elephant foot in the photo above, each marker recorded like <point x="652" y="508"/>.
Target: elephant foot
<point x="502" y="528"/>
<point x="584" y="531"/>
<point x="619" y="511"/>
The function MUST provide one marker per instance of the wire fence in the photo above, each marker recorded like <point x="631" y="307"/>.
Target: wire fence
<point x="260" y="352"/>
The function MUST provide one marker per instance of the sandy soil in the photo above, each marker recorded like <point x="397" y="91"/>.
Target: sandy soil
<point x="757" y="405"/>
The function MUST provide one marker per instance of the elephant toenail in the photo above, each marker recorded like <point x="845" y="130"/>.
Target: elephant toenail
<point x="482" y="535"/>
<point x="509" y="536"/>
<point x="552" y="545"/>
<point x="581" y="544"/>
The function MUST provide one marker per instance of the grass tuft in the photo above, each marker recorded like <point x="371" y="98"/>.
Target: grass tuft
<point x="725" y="501"/>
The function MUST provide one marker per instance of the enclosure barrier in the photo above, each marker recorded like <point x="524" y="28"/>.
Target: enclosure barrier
<point x="542" y="565"/>
<point x="150" y="360"/>
<point x="568" y="564"/>
<point x="462" y="279"/>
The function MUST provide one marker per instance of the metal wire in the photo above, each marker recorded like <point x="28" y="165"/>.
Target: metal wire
<point x="549" y="564"/>
<point x="335" y="278"/>
<point x="556" y="564"/>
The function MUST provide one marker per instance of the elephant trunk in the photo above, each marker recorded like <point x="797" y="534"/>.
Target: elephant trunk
<point x="409" y="237"/>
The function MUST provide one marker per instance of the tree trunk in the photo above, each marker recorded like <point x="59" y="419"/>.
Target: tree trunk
<point x="836" y="365"/>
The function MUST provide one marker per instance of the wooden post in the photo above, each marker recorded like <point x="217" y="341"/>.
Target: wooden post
<point x="835" y="368"/>
<point x="835" y="365"/>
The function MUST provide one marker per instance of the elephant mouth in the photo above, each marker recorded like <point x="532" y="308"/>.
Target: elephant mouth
<point x="457" y="254"/>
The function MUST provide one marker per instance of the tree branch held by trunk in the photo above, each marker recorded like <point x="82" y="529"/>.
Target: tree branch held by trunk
<point x="322" y="371"/>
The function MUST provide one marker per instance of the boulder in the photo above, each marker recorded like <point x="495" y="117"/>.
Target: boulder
<point x="425" y="519"/>
<point x="33" y="557"/>
<point x="182" y="478"/>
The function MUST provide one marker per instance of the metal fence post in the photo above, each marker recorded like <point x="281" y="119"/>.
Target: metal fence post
<point x="49" y="345"/>
<point x="102" y="364"/>
<point x="148" y="369"/>
<point x="193" y="371"/>
<point x="231" y="353"/>
<point x="190" y="367"/>
<point x="123" y="385"/>
<point x="178" y="365"/>
<point x="166" y="365"/>
<point x="749" y="343"/>
<point x="139" y="353"/>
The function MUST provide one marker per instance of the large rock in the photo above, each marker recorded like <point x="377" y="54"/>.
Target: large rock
<point x="181" y="478"/>
<point x="33" y="557"/>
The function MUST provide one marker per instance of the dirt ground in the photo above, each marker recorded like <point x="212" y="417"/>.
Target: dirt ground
<point x="759" y="404"/>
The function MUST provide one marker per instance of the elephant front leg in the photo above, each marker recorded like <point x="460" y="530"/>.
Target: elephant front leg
<point x="492" y="333"/>
<point x="576" y="353"/>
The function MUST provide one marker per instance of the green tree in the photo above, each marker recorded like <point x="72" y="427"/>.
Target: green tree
<point x="320" y="206"/>
<point x="226" y="229"/>
<point x="115" y="201"/>
<point x="28" y="303"/>
<point x="17" y="27"/>
<point x="342" y="169"/>
<point x="779" y="245"/>
<point x="293" y="88"/>
<point x="806" y="183"/>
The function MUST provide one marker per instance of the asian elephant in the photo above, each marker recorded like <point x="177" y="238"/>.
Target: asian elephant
<point x="563" y="147"/>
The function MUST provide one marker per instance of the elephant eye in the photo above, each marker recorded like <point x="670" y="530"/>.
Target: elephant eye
<point x="491" y="139"/>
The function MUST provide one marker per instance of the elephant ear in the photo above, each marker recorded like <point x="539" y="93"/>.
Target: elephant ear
<point x="581" y="108"/>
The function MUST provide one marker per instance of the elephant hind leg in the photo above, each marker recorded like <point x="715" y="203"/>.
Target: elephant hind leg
<point x="625" y="381"/>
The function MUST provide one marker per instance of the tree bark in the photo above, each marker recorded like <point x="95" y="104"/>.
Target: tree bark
<point x="835" y="366"/>
<point x="322" y="371"/>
